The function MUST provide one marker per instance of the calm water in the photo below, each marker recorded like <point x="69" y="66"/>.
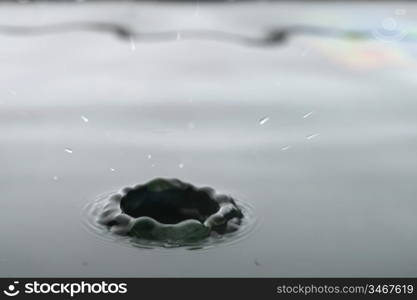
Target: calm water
<point x="318" y="136"/>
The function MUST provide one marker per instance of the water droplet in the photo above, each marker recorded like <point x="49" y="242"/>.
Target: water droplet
<point x="112" y="169"/>
<point x="181" y="166"/>
<point x="389" y="24"/>
<point x="286" y="147"/>
<point x="84" y="118"/>
<point x="305" y="52"/>
<point x="308" y="114"/>
<point x="312" y="136"/>
<point x="197" y="9"/>
<point x="149" y="156"/>
<point x="400" y="11"/>
<point x="263" y="120"/>
<point x="132" y="44"/>
<point x="55" y="178"/>
<point x="12" y="92"/>
<point x="68" y="150"/>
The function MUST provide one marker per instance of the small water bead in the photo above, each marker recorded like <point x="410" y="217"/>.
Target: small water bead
<point x="197" y="12"/>
<point x="12" y="92"/>
<point x="305" y="52"/>
<point x="308" y="114"/>
<point x="149" y="156"/>
<point x="112" y="170"/>
<point x="389" y="24"/>
<point x="400" y="11"/>
<point x="263" y="120"/>
<point x="84" y="118"/>
<point x="181" y="166"/>
<point x="56" y="178"/>
<point x="132" y="44"/>
<point x="68" y="150"/>
<point x="312" y="136"/>
<point x="285" y="148"/>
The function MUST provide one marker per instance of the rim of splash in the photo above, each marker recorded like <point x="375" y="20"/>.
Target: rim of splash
<point x="92" y="209"/>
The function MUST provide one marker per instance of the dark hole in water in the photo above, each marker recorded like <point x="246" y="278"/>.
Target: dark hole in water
<point x="169" y="202"/>
<point x="170" y="210"/>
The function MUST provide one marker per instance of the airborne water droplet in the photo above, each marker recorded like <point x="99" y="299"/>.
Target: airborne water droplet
<point x="55" y="178"/>
<point x="312" y="136"/>
<point x="84" y="118"/>
<point x="149" y="156"/>
<point x="112" y="169"/>
<point x="12" y="92"/>
<point x="285" y="147"/>
<point x="400" y="11"/>
<point x="308" y="114"/>
<point x="132" y="44"/>
<point x="181" y="166"/>
<point x="263" y="120"/>
<point x="68" y="150"/>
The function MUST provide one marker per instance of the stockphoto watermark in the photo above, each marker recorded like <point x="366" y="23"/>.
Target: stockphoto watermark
<point x="71" y="289"/>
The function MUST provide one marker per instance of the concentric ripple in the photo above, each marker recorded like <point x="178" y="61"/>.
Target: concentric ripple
<point x="92" y="210"/>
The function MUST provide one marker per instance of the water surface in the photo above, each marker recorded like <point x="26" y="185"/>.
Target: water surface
<point x="318" y="136"/>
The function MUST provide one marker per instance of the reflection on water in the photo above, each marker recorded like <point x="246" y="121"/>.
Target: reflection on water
<point x="318" y="136"/>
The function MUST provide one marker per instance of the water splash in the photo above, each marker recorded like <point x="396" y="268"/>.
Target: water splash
<point x="94" y="208"/>
<point x="272" y="37"/>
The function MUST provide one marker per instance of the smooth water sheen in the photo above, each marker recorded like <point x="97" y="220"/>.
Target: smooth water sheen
<point x="318" y="137"/>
